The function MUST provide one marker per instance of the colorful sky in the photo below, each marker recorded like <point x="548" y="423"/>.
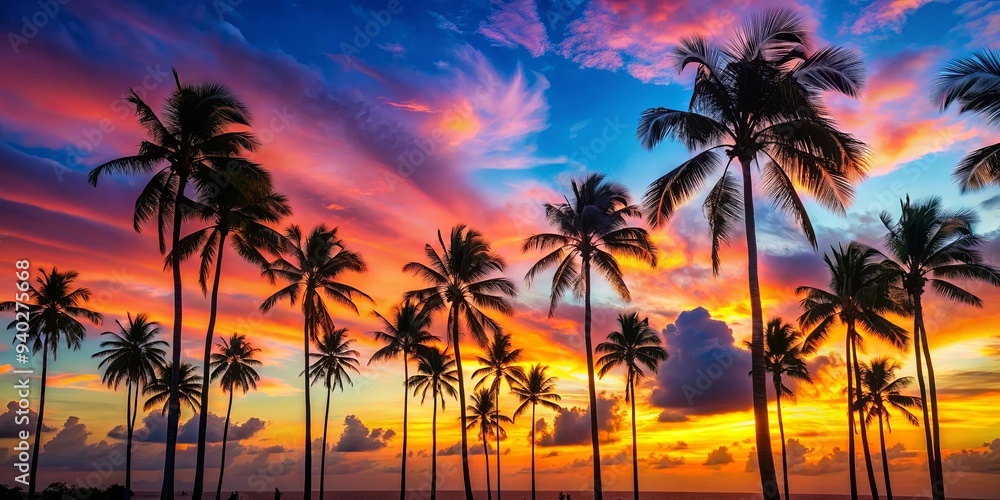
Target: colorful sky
<point x="476" y="112"/>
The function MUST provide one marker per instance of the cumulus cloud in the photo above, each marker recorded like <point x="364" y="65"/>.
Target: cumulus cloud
<point x="835" y="461"/>
<point x="456" y="449"/>
<point x="987" y="461"/>
<point x="357" y="437"/>
<point x="796" y="452"/>
<point x="706" y="373"/>
<point x="153" y="429"/>
<point x="663" y="461"/>
<point x="9" y="429"/>
<point x="718" y="457"/>
<point x="571" y="426"/>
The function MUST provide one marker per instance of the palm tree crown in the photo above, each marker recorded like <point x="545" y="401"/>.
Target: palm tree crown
<point x="974" y="83"/>
<point x="784" y="356"/>
<point x="634" y="346"/>
<point x="536" y="388"/>
<point x="133" y="355"/>
<point x="233" y="364"/>
<point x="499" y="364"/>
<point x="335" y="360"/>
<point x="188" y="388"/>
<point x="53" y="311"/>
<point x="881" y="390"/>
<point x="436" y="374"/>
<point x="405" y="334"/>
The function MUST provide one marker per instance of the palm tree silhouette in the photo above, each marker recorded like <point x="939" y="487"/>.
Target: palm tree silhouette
<point x="758" y="99"/>
<point x="197" y="136"/>
<point x="53" y="313"/>
<point x="859" y="295"/>
<point x="929" y="244"/>
<point x="498" y="367"/>
<point x="536" y="388"/>
<point x="234" y="366"/>
<point x="311" y="270"/>
<point x="880" y="391"/>
<point x="784" y="357"/>
<point x="189" y="388"/>
<point x="238" y="202"/>
<point x="974" y="83"/>
<point x="591" y="230"/>
<point x="132" y="356"/>
<point x="466" y="278"/>
<point x="634" y="346"/>
<point x="436" y="373"/>
<point x="333" y="365"/>
<point x="482" y="413"/>
<point x="405" y="335"/>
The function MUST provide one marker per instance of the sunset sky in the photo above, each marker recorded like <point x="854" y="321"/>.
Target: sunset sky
<point x="477" y="112"/>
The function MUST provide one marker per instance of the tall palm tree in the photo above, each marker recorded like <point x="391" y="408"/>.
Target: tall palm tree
<point x="234" y="366"/>
<point x="974" y="83"/>
<point x="238" y="201"/>
<point x="784" y="357"/>
<point x="53" y="308"/>
<point x="634" y="346"/>
<point x="482" y="414"/>
<point x="132" y="356"/>
<point x="311" y="270"/>
<point x="758" y="99"/>
<point x="466" y="278"/>
<point x="406" y="334"/>
<point x="437" y="373"/>
<point x="189" y="388"/>
<point x="880" y="390"/>
<point x="536" y="388"/>
<point x="591" y="230"/>
<point x="498" y="367"/>
<point x="930" y="244"/>
<point x="859" y="297"/>
<point x="199" y="131"/>
<point x="334" y="363"/>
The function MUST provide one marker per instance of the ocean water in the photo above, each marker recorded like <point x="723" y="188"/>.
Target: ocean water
<point x="517" y="495"/>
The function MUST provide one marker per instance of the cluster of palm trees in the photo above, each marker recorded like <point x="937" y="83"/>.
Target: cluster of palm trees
<point x="757" y="105"/>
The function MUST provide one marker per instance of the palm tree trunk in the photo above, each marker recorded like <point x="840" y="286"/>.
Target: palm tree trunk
<point x="532" y="451"/>
<point x="128" y="441"/>
<point x="765" y="461"/>
<point x="885" y="458"/>
<point x="174" y="403"/>
<point x="496" y="413"/>
<point x="635" y="453"/>
<point x="781" y="432"/>
<point x="591" y="384"/>
<point x="33" y="477"/>
<point x="453" y="323"/>
<point x="406" y="400"/>
<point x="307" y="334"/>
<point x="918" y="333"/>
<point x="434" y="443"/>
<point x="199" y="469"/>
<point x="486" y="453"/>
<point x="851" y="452"/>
<point x="225" y="436"/>
<point x="326" y="425"/>
<point x="938" y="487"/>
<point x="872" y="483"/>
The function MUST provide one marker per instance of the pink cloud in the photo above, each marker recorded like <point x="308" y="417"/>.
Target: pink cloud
<point x="516" y="23"/>
<point x="885" y="14"/>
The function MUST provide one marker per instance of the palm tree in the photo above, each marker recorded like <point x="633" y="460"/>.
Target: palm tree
<point x="498" y="367"/>
<point x="974" y="83"/>
<point x="52" y="308"/>
<point x="590" y="230"/>
<point x="859" y="296"/>
<point x="758" y="99"/>
<point x="482" y="413"/>
<point x="132" y="356"/>
<point x="406" y="335"/>
<point x="880" y="391"/>
<point x="333" y="365"/>
<point x="197" y="135"/>
<point x="436" y="372"/>
<point x="466" y="278"/>
<point x="311" y="271"/>
<point x="239" y="202"/>
<point x="930" y="244"/>
<point x="234" y="366"/>
<point x="536" y="388"/>
<point x="189" y="388"/>
<point x="635" y="346"/>
<point x="784" y="357"/>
